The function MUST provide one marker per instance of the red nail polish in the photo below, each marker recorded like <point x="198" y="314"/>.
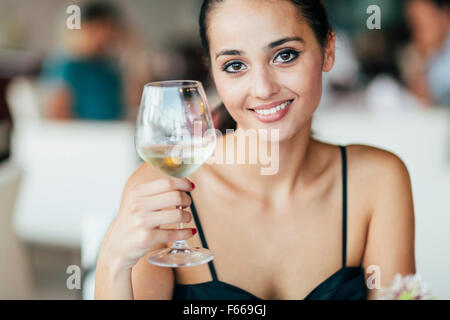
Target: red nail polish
<point x="193" y="185"/>
<point x="194" y="231"/>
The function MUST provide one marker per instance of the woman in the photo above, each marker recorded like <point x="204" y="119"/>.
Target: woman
<point x="292" y="235"/>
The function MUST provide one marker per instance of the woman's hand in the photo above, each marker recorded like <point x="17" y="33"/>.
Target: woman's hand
<point x="136" y="229"/>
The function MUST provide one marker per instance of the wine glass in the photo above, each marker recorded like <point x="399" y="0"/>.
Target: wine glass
<point x="175" y="134"/>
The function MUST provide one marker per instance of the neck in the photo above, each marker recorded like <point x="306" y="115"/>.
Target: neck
<point x="289" y="166"/>
<point x="84" y="47"/>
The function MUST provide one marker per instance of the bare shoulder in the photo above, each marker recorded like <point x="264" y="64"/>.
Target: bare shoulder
<point x="381" y="168"/>
<point x="377" y="164"/>
<point x="390" y="240"/>
<point x="387" y="177"/>
<point x="370" y="164"/>
<point x="377" y="155"/>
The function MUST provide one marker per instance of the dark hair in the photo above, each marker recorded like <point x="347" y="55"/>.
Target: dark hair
<point x="443" y="4"/>
<point x="99" y="10"/>
<point x="314" y="13"/>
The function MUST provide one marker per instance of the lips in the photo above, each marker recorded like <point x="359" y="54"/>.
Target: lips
<point x="271" y="112"/>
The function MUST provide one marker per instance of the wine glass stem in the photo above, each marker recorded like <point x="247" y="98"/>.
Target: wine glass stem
<point x="180" y="244"/>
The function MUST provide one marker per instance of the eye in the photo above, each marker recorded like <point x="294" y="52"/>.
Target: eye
<point x="234" y="67"/>
<point x="286" y="56"/>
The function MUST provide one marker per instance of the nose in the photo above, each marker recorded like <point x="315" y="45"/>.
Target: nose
<point x="264" y="84"/>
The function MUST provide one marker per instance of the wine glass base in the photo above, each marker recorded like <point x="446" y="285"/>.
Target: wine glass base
<point x="180" y="257"/>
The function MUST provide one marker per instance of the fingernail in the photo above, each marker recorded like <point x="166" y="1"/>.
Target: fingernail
<point x="193" y="185"/>
<point x="194" y="231"/>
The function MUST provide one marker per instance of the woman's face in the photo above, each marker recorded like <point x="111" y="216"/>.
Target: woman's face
<point x="265" y="59"/>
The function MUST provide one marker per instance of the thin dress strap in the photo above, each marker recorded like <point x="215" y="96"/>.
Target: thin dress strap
<point x="344" y="205"/>
<point x="202" y="236"/>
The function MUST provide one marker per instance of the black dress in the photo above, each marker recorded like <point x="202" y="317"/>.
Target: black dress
<point x="348" y="283"/>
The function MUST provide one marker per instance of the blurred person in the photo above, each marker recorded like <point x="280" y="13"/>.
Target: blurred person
<point x="439" y="63"/>
<point x="134" y="58"/>
<point x="426" y="60"/>
<point x="13" y="63"/>
<point x="85" y="80"/>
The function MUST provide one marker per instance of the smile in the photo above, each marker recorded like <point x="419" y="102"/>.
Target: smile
<point x="273" y="110"/>
<point x="272" y="114"/>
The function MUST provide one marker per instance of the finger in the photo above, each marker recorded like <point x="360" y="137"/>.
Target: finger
<point x="171" y="235"/>
<point x="171" y="199"/>
<point x="156" y="219"/>
<point x="163" y="185"/>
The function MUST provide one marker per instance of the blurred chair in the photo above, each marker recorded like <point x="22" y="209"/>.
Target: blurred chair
<point x="15" y="269"/>
<point x="25" y="100"/>
<point x="71" y="168"/>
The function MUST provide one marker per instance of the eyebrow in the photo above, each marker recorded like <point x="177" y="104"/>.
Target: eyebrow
<point x="271" y="45"/>
<point x="229" y="53"/>
<point x="283" y="41"/>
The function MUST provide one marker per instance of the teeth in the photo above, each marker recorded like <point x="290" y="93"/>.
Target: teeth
<point x="273" y="110"/>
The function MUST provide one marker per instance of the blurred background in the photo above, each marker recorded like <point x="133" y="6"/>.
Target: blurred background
<point x="69" y="98"/>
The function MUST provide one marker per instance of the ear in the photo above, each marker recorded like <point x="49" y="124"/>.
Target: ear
<point x="329" y="53"/>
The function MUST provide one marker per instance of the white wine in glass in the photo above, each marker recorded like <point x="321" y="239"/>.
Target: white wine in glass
<point x="175" y="134"/>
<point x="164" y="158"/>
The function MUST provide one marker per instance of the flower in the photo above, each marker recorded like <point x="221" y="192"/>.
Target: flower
<point x="410" y="287"/>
